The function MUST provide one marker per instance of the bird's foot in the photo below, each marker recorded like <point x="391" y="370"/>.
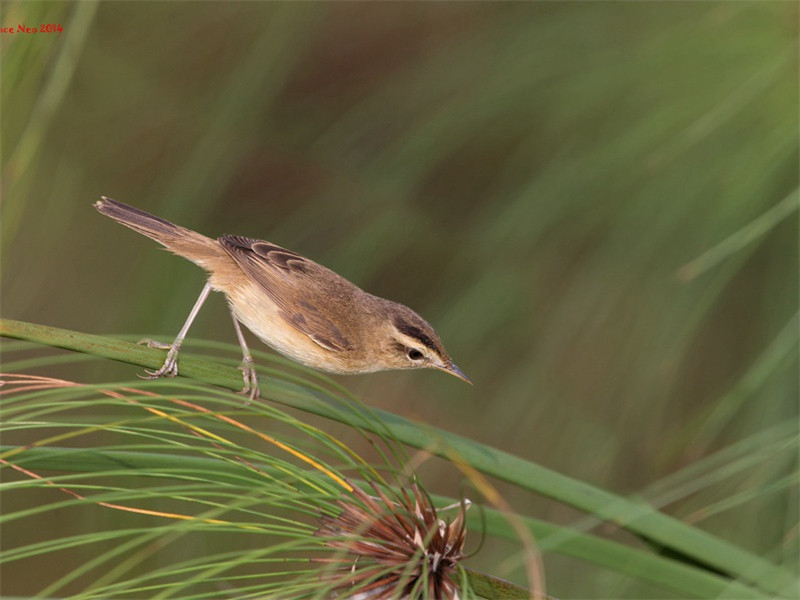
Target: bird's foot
<point x="251" y="388"/>
<point x="170" y="366"/>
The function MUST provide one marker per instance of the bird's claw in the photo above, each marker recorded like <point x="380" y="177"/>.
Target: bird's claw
<point x="170" y="366"/>
<point x="154" y="344"/>
<point x="251" y="388"/>
<point x="168" y="369"/>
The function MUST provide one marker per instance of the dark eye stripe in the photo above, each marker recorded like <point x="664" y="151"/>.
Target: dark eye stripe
<point x="415" y="332"/>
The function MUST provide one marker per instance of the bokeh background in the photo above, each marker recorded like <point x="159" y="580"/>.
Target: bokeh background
<point x="594" y="203"/>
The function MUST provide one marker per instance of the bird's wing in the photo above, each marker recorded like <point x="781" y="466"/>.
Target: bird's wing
<point x="287" y="278"/>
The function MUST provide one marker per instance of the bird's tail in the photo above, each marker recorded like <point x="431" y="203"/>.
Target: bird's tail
<point x="184" y="242"/>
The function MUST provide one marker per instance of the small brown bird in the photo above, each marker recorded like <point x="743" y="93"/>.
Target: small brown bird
<point x="296" y="306"/>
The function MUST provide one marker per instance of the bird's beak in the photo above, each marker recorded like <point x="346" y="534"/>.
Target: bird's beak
<point x="454" y="370"/>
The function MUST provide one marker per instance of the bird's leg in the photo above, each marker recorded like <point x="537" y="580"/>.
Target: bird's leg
<point x="170" y="366"/>
<point x="250" y="389"/>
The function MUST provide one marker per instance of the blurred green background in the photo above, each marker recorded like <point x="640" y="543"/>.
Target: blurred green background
<point x="542" y="181"/>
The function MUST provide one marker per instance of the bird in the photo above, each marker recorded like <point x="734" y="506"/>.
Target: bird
<point x="296" y="306"/>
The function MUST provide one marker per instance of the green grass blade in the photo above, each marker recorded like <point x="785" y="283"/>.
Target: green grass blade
<point x="637" y="517"/>
<point x="651" y="568"/>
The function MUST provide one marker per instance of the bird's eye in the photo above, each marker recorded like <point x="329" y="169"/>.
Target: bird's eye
<point x="414" y="354"/>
